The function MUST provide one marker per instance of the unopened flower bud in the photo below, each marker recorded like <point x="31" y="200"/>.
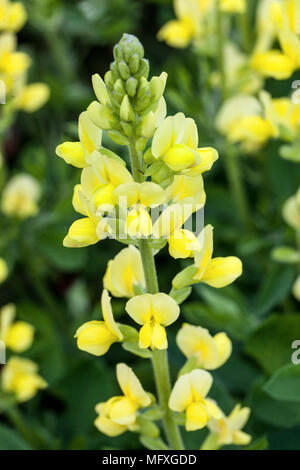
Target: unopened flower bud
<point x="100" y="89"/>
<point x="131" y="86"/>
<point x="134" y="63"/>
<point x="123" y="69"/>
<point x="143" y="69"/>
<point x="157" y="86"/>
<point x="126" y="111"/>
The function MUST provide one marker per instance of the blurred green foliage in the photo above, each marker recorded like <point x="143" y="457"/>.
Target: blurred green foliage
<point x="57" y="289"/>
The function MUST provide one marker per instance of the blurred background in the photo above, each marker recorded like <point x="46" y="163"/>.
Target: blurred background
<point x="56" y="289"/>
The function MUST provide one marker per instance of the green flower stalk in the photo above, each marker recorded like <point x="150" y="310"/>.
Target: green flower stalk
<point x="166" y="174"/>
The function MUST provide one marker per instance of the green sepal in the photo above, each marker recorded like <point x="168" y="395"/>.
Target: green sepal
<point x="180" y="295"/>
<point x="130" y="334"/>
<point x="135" y="349"/>
<point x="154" y="414"/>
<point x="153" y="444"/>
<point x="185" y="277"/>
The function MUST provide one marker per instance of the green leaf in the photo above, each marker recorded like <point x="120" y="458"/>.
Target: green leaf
<point x="285" y="383"/>
<point x="10" y="440"/>
<point x="153" y="444"/>
<point x="283" y="414"/>
<point x="134" y="349"/>
<point x="223" y="312"/>
<point x="258" y="444"/>
<point x="285" y="254"/>
<point x="271" y="343"/>
<point x="274" y="289"/>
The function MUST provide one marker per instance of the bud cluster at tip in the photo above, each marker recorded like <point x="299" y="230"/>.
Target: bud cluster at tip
<point x="129" y="102"/>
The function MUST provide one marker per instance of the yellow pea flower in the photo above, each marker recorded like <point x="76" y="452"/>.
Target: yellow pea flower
<point x="12" y="16"/>
<point x="20" y="196"/>
<point x="182" y="242"/>
<point x="291" y="211"/>
<point x="148" y="194"/>
<point x="283" y="115"/>
<point x="124" y="272"/>
<point x="3" y="270"/>
<point x="17" y="335"/>
<point x="216" y="272"/>
<point x="229" y="428"/>
<point x="153" y="312"/>
<point x="119" y="414"/>
<point x="241" y="120"/>
<point x="183" y="187"/>
<point x="99" y="180"/>
<point x="96" y="337"/>
<point x="139" y="197"/>
<point x="211" y="352"/>
<point x="189" y="396"/>
<point x="87" y="230"/>
<point x="32" y="97"/>
<point x="13" y="64"/>
<point x="180" y="32"/>
<point x="78" y="153"/>
<point x="20" y="376"/>
<point x="273" y="64"/>
<point x="176" y="143"/>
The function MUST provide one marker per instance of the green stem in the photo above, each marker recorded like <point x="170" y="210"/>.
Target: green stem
<point x="15" y="417"/>
<point x="159" y="358"/>
<point x="236" y="185"/>
<point x="245" y="27"/>
<point x="211" y="442"/>
<point x="220" y="48"/>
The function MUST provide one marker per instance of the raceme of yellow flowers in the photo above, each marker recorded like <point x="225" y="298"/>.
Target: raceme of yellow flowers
<point x="14" y="64"/>
<point x="244" y="117"/>
<point x="19" y="376"/>
<point x="165" y="179"/>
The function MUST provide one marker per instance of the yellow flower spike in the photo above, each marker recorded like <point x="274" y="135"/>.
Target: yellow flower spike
<point x="17" y="336"/>
<point x="78" y="153"/>
<point x="211" y="352"/>
<point x="119" y="414"/>
<point x="229" y="429"/>
<point x="96" y="337"/>
<point x="189" y="396"/>
<point x="20" y="376"/>
<point x="176" y="143"/>
<point x="217" y="272"/>
<point x="153" y="312"/>
<point x="124" y="272"/>
<point x="291" y="211"/>
<point x="3" y="270"/>
<point x="148" y="194"/>
<point x="32" y="97"/>
<point x="13" y="16"/>
<point x="20" y="196"/>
